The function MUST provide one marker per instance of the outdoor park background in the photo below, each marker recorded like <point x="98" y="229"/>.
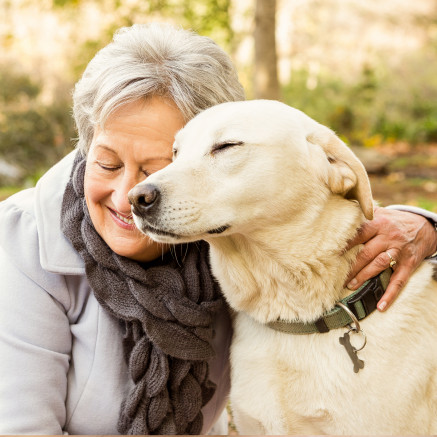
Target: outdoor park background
<point x="366" y="69"/>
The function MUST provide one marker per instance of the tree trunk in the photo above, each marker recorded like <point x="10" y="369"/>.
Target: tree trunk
<point x="266" y="84"/>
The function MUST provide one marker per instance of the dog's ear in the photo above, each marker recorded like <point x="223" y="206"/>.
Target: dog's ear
<point x="346" y="174"/>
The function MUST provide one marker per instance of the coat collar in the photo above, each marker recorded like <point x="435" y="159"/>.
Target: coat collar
<point x="57" y="255"/>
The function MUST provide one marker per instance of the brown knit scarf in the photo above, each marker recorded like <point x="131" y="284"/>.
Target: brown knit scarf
<point x="166" y="311"/>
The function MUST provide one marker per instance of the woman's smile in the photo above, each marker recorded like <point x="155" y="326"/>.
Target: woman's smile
<point x="135" y="142"/>
<point x="122" y="220"/>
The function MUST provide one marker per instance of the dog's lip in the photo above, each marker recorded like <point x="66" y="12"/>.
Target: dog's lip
<point x="219" y="230"/>
<point x="146" y="227"/>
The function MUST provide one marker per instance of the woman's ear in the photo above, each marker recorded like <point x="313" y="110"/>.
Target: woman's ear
<point x="346" y="174"/>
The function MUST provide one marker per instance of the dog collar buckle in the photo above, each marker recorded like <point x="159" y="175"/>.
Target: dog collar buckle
<point x="359" y="304"/>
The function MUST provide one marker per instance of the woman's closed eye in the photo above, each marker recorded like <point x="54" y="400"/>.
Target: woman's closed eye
<point x="108" y="167"/>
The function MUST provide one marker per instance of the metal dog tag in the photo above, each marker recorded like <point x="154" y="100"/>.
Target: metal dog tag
<point x="352" y="352"/>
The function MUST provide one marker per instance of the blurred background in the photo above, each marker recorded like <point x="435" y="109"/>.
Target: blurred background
<point x="365" y="69"/>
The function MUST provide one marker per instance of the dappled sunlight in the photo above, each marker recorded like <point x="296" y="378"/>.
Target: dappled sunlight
<point x="366" y="69"/>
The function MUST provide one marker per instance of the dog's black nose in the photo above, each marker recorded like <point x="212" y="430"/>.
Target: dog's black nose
<point x="143" y="198"/>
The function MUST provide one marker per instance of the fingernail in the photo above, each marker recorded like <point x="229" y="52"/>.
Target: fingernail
<point x="382" y="305"/>
<point x="352" y="284"/>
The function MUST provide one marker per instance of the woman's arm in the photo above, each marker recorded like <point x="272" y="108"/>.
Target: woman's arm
<point x="35" y="337"/>
<point x="408" y="234"/>
<point x="35" y="343"/>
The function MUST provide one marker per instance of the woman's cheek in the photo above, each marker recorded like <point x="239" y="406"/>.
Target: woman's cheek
<point x="96" y="189"/>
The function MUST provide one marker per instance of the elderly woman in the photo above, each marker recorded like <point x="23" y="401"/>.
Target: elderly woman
<point x="103" y="330"/>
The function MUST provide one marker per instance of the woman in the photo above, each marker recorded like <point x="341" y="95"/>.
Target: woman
<point x="102" y="330"/>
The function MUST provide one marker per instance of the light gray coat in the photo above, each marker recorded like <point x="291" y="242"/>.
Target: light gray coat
<point x="61" y="360"/>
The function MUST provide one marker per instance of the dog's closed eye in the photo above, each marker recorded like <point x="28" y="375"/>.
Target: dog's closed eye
<point x="219" y="147"/>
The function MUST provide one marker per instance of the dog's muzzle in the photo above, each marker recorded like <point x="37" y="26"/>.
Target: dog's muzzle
<point x="144" y="199"/>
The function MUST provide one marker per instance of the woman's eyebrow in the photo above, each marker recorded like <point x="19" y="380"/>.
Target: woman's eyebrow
<point x="167" y="157"/>
<point x="103" y="146"/>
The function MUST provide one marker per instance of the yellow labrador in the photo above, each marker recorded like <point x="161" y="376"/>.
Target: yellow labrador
<point x="277" y="196"/>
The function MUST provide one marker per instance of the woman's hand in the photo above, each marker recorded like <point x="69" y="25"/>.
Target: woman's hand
<point x="408" y="237"/>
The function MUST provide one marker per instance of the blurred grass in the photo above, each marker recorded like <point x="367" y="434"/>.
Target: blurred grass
<point x="387" y="190"/>
<point x="418" y="159"/>
<point x="428" y="204"/>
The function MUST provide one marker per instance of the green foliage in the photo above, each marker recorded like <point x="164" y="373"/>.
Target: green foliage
<point x="206" y="17"/>
<point x="7" y="191"/>
<point x="66" y="3"/>
<point x="417" y="160"/>
<point x="372" y="108"/>
<point x="429" y="204"/>
<point x="25" y="138"/>
<point x="33" y="136"/>
<point x="15" y="86"/>
<point x="86" y="51"/>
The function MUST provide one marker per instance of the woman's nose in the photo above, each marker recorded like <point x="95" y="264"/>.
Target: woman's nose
<point x="120" y="201"/>
<point x="120" y="194"/>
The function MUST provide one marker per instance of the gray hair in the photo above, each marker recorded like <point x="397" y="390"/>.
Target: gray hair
<point x="144" y="61"/>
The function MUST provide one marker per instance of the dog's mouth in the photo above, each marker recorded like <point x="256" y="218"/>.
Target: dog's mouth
<point x="219" y="230"/>
<point x="164" y="236"/>
<point x="146" y="228"/>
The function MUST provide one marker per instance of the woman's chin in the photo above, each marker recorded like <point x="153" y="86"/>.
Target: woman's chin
<point x="141" y="249"/>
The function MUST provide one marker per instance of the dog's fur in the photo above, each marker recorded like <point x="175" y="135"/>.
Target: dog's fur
<point x="278" y="196"/>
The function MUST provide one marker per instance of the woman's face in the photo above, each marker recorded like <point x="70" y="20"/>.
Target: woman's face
<point x="136" y="141"/>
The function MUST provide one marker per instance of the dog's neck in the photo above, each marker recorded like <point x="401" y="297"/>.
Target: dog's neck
<point x="292" y="271"/>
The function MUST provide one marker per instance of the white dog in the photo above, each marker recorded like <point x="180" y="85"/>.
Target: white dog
<point x="278" y="196"/>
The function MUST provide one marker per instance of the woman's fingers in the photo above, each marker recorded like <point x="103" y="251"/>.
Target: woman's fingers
<point x="377" y="235"/>
<point x="371" y="261"/>
<point x="366" y="232"/>
<point x="407" y="237"/>
<point x="370" y="253"/>
<point x="397" y="282"/>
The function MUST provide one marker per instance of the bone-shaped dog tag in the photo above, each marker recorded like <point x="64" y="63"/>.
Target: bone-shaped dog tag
<point x="352" y="352"/>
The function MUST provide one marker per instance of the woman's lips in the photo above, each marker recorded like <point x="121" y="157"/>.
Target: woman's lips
<point x="122" y="220"/>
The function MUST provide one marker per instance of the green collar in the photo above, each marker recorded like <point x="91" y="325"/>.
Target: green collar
<point x="361" y="302"/>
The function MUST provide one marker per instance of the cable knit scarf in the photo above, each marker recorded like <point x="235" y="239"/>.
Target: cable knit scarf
<point x="166" y="311"/>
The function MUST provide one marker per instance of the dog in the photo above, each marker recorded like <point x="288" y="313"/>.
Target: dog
<point x="278" y="196"/>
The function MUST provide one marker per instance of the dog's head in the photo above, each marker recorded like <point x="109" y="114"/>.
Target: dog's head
<point x="242" y="165"/>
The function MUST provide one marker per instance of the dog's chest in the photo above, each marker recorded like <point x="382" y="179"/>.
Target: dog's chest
<point x="289" y="382"/>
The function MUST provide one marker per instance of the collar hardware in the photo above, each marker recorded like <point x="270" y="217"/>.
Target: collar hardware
<point x="361" y="303"/>
<point x="355" y="321"/>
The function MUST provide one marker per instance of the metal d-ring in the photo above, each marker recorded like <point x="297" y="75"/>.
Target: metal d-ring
<point x="357" y="329"/>
<point x="351" y="315"/>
